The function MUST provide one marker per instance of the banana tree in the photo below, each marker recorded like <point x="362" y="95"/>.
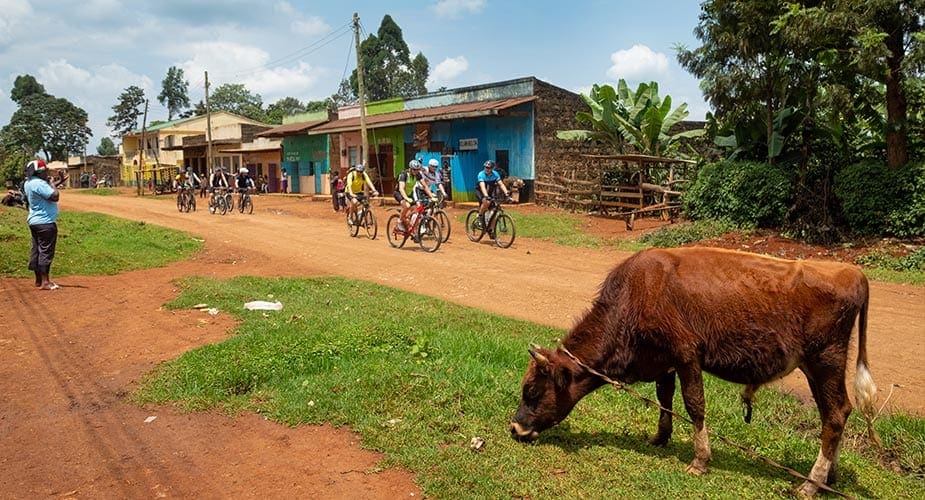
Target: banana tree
<point x="641" y="119"/>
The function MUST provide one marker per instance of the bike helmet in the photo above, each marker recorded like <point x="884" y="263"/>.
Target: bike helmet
<point x="243" y="171"/>
<point x="359" y="167"/>
<point x="433" y="163"/>
<point x="414" y="164"/>
<point x="489" y="164"/>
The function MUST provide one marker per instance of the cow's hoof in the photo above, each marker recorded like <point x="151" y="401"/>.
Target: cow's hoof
<point x="660" y="439"/>
<point x="696" y="469"/>
<point x="807" y="490"/>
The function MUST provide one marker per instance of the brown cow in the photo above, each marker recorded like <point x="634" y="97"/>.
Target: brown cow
<point x="745" y="318"/>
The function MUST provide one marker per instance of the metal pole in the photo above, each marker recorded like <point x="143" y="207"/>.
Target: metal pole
<point x="362" y="91"/>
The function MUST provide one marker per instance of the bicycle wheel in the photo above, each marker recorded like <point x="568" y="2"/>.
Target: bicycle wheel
<point x="474" y="230"/>
<point x="213" y="205"/>
<point x="444" y="221"/>
<point x="352" y="229"/>
<point x="190" y="202"/>
<point x="222" y="205"/>
<point x="369" y="222"/>
<point x="248" y="203"/>
<point x="229" y="203"/>
<point x="181" y="203"/>
<point x="504" y="231"/>
<point x="396" y="238"/>
<point x="429" y="234"/>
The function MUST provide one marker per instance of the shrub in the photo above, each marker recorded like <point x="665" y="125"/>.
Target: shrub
<point x="748" y="194"/>
<point x="907" y="220"/>
<point x="877" y="200"/>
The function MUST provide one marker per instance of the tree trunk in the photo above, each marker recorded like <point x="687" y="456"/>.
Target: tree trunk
<point x="896" y="125"/>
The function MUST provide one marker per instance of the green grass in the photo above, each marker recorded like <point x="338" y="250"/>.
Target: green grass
<point x="95" y="191"/>
<point x="90" y="243"/>
<point x="418" y="378"/>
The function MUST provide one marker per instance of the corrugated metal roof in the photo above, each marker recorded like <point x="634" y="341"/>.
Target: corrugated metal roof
<point x="290" y="129"/>
<point x="449" y="112"/>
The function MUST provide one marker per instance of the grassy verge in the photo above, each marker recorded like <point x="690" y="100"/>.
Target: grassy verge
<point x="418" y="378"/>
<point x="90" y="243"/>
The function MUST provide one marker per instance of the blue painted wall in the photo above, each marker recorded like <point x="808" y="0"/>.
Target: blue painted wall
<point x="510" y="133"/>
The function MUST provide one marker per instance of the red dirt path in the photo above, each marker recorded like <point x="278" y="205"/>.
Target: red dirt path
<point x="71" y="356"/>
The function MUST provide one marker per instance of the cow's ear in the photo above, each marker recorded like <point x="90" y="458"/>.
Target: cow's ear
<point x="541" y="360"/>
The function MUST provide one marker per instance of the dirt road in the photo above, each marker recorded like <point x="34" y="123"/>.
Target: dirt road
<point x="71" y="356"/>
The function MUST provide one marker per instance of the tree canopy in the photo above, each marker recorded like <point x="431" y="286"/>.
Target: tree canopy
<point x="642" y="119"/>
<point x="106" y="147"/>
<point x="174" y="92"/>
<point x="44" y="124"/>
<point x="388" y="70"/>
<point x="126" y="112"/>
<point x="236" y="98"/>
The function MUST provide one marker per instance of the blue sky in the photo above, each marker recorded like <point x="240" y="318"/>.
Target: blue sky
<point x="89" y="51"/>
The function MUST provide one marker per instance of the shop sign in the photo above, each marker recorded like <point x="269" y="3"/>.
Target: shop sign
<point x="468" y="144"/>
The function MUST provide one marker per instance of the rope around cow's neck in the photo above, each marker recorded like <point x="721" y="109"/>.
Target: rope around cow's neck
<point x="748" y="451"/>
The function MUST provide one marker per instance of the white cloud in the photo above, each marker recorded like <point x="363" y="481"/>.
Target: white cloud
<point x="448" y="70"/>
<point x="457" y="8"/>
<point x="310" y="26"/>
<point x="95" y="90"/>
<point x="14" y="11"/>
<point x="637" y="64"/>
<point x="274" y="84"/>
<point x="299" y="23"/>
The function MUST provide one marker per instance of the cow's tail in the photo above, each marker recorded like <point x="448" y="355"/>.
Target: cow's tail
<point x="864" y="386"/>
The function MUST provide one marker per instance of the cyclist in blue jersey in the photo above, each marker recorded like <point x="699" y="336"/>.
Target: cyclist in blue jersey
<point x="486" y="185"/>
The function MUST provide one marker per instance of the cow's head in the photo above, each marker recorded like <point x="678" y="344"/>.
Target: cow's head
<point x="550" y="391"/>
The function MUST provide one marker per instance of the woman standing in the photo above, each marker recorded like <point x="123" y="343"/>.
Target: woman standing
<point x="43" y="214"/>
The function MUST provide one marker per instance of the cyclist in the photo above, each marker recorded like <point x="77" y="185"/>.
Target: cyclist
<point x="356" y="184"/>
<point x="182" y="180"/>
<point x="435" y="177"/>
<point x="487" y="183"/>
<point x="401" y="192"/>
<point x="218" y="179"/>
<point x="243" y="182"/>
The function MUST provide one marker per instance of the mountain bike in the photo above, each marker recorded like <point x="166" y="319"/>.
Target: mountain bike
<point x="423" y="229"/>
<point x="229" y="200"/>
<point x="365" y="218"/>
<point x="245" y="202"/>
<point x="218" y="203"/>
<point x="186" y="202"/>
<point x="436" y="211"/>
<point x="499" y="226"/>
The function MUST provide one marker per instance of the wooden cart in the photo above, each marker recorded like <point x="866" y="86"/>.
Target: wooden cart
<point x="641" y="190"/>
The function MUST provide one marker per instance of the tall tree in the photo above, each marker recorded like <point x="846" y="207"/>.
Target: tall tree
<point x="345" y="95"/>
<point x="127" y="111"/>
<point x="287" y="106"/>
<point x="50" y="125"/>
<point x="235" y="98"/>
<point x="878" y="40"/>
<point x="174" y="93"/>
<point x="24" y="86"/>
<point x="387" y="67"/>
<point x="106" y="147"/>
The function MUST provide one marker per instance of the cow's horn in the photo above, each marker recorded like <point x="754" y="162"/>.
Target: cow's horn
<point x="539" y="358"/>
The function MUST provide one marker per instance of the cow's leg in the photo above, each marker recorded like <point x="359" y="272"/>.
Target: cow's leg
<point x="664" y="389"/>
<point x="827" y="384"/>
<point x="692" y="390"/>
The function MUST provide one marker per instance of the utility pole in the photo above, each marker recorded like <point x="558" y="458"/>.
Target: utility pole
<point x="362" y="91"/>
<point x="141" y="152"/>
<point x="208" y="130"/>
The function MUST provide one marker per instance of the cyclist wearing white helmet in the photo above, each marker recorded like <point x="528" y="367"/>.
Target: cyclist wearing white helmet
<point x="401" y="191"/>
<point x="243" y="182"/>
<point x="435" y="177"/>
<point x="357" y="184"/>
